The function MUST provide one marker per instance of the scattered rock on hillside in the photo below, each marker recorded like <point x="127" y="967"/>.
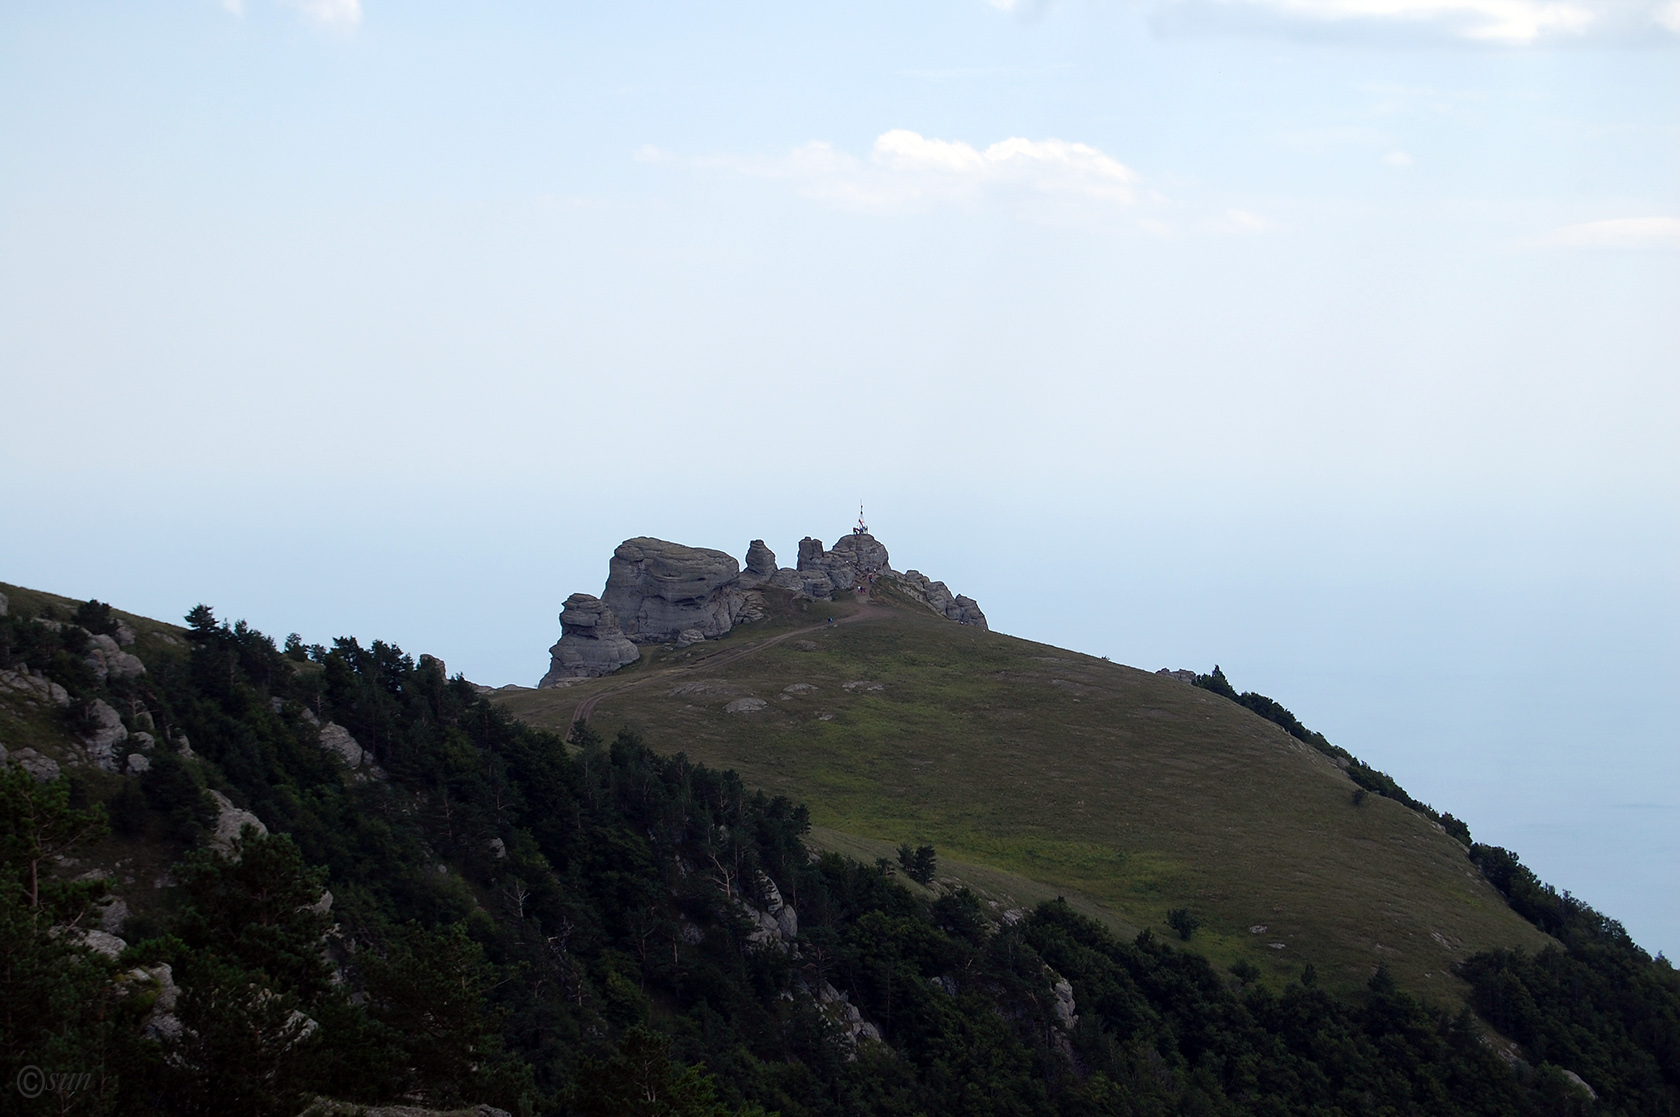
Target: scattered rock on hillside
<point x="591" y="644"/>
<point x="106" y="734"/>
<point x="5" y="606"/>
<point x="745" y="706"/>
<point x="1181" y="675"/>
<point x="43" y="768"/>
<point x="137" y="764"/>
<point x="109" y="661"/>
<point x="657" y="589"/>
<point x="230" y="820"/>
<point x="36" y="686"/>
<point x="337" y="740"/>
<point x="689" y="637"/>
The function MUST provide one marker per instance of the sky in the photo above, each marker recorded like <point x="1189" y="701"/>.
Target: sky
<point x="1331" y="341"/>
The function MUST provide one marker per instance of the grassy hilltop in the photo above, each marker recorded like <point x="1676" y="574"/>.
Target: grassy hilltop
<point x="1037" y="771"/>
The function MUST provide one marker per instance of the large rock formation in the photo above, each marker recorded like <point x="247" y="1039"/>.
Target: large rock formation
<point x="936" y="596"/>
<point x="660" y="590"/>
<point x="854" y="559"/>
<point x="761" y="564"/>
<point x="591" y="642"/>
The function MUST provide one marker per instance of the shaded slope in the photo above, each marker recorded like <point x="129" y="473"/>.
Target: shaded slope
<point x="1135" y="791"/>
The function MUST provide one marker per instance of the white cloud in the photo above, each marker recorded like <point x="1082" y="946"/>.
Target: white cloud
<point x="1397" y="159"/>
<point x="1508" y="23"/>
<point x="1049" y="179"/>
<point x="1622" y="232"/>
<point x="334" y="15"/>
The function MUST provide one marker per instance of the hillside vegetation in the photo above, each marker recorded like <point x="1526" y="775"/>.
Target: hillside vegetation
<point x="240" y="877"/>
<point x="1133" y="791"/>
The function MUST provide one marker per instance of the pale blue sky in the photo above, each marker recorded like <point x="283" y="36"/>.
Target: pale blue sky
<point x="1331" y="340"/>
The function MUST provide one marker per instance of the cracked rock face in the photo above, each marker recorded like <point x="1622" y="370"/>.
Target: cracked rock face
<point x="591" y="642"/>
<point x="761" y="564"/>
<point x="659" y="589"/>
<point x="936" y="596"/>
<point x="106" y="733"/>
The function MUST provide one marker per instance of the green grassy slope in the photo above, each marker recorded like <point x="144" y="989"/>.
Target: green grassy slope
<point x="1036" y="770"/>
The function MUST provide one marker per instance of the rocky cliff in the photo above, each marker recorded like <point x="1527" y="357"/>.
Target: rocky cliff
<point x="659" y="592"/>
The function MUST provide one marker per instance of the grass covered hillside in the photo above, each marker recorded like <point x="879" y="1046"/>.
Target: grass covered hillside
<point x="1036" y="771"/>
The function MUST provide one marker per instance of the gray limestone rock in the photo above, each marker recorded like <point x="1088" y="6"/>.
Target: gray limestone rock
<point x="761" y="564"/>
<point x="5" y="606"/>
<point x="113" y="915"/>
<point x="106" y="734"/>
<point x="1181" y="675"/>
<point x="804" y="583"/>
<point x="109" y="661"/>
<point x="337" y="740"/>
<point x="689" y="636"/>
<point x="938" y="597"/>
<point x="745" y="706"/>
<point x="591" y="643"/>
<point x="43" y="768"/>
<point x="658" y="588"/>
<point x="230" y="820"/>
<point x="137" y="764"/>
<point x="814" y="559"/>
<point x="38" y="686"/>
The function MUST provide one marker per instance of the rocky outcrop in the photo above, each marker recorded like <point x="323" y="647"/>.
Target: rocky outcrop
<point x="230" y="820"/>
<point x="761" y="564"/>
<point x="337" y="740"/>
<point x="814" y="559"/>
<point x="804" y="583"/>
<point x="658" y="589"/>
<point x="591" y="642"/>
<point x="1181" y="675"/>
<point x="660" y="592"/>
<point x="105" y="732"/>
<point x="34" y="687"/>
<point x="109" y="661"/>
<point x="938" y="597"/>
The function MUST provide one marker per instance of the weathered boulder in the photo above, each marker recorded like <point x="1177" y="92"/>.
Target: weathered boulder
<point x="814" y="559"/>
<point x="43" y="768"/>
<point x="658" y="588"/>
<point x="938" y="597"/>
<point x="105" y="732"/>
<point x="591" y="642"/>
<point x="337" y="740"/>
<point x="761" y="564"/>
<point x="230" y="820"/>
<point x="109" y="661"/>
<point x="807" y="583"/>
<point x="854" y="559"/>
<point x="5" y="605"/>
<point x="35" y="685"/>
<point x="862" y="552"/>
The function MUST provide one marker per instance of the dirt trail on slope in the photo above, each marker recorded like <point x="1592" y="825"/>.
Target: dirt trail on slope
<point x="867" y="611"/>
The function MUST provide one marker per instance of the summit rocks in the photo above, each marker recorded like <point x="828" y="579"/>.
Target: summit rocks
<point x="591" y="642"/>
<point x="659" y="592"/>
